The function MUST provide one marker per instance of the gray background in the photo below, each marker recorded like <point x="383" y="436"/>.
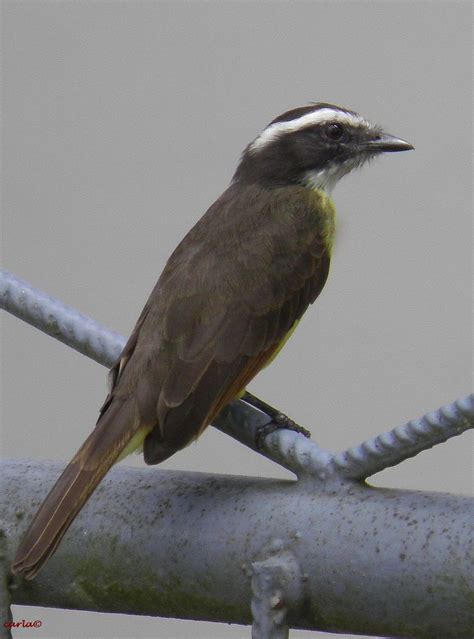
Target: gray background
<point x="124" y="121"/>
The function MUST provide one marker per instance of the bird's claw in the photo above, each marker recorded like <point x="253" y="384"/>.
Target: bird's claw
<point x="278" y="421"/>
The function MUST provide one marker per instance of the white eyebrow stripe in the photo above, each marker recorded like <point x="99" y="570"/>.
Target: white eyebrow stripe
<point x="315" y="117"/>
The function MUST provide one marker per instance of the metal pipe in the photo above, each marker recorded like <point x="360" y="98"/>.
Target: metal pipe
<point x="373" y="561"/>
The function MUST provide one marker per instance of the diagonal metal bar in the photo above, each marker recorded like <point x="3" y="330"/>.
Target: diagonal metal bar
<point x="407" y="440"/>
<point x="59" y="320"/>
<point x="239" y="420"/>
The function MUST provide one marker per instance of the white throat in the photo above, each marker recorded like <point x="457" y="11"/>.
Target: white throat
<point x="325" y="179"/>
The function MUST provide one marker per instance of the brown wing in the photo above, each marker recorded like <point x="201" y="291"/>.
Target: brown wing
<point x="231" y="292"/>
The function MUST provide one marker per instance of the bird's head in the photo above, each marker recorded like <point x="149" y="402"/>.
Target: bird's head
<point x="313" y="146"/>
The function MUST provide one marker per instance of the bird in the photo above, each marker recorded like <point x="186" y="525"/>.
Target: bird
<point x="228" y="298"/>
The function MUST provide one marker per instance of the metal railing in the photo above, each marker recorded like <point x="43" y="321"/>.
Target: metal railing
<point x="327" y="552"/>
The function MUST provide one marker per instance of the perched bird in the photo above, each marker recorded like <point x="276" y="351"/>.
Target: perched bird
<point x="229" y="296"/>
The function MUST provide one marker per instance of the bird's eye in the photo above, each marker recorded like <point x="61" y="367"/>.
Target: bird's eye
<point x="334" y="131"/>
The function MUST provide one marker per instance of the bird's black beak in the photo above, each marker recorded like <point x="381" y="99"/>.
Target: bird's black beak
<point x="383" y="142"/>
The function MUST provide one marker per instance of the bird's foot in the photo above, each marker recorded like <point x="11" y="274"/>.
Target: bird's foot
<point x="279" y="420"/>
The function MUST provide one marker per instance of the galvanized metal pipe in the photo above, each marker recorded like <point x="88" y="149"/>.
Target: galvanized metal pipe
<point x="368" y="560"/>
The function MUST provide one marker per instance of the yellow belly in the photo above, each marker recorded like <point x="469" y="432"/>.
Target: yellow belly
<point x="135" y="445"/>
<point x="282" y="343"/>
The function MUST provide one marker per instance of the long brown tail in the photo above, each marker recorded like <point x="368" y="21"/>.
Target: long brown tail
<point x="80" y="478"/>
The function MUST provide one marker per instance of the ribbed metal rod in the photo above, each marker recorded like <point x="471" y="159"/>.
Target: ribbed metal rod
<point x="94" y="340"/>
<point x="241" y="421"/>
<point x="59" y="320"/>
<point x="407" y="440"/>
